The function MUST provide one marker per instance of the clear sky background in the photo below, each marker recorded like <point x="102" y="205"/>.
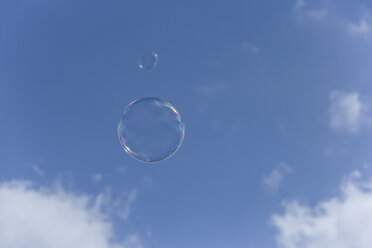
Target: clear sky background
<point x="276" y="97"/>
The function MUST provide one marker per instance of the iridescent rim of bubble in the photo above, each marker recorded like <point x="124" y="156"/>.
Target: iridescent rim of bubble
<point x="137" y="155"/>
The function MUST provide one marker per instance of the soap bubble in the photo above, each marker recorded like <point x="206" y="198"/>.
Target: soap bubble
<point x="150" y="129"/>
<point x="148" y="60"/>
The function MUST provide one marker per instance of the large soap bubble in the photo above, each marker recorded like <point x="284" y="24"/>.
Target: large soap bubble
<point x="150" y="129"/>
<point x="148" y="60"/>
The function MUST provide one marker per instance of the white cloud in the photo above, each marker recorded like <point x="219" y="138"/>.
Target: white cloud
<point x="275" y="178"/>
<point x="344" y="221"/>
<point x="347" y="112"/>
<point x="35" y="217"/>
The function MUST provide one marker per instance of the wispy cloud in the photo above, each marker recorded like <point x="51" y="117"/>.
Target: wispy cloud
<point x="32" y="216"/>
<point x="360" y="28"/>
<point x="96" y="178"/>
<point x="123" y="204"/>
<point x="318" y="11"/>
<point x="250" y="48"/>
<point x="209" y="92"/>
<point x="347" y="112"/>
<point x="363" y="26"/>
<point x="318" y="14"/>
<point x="146" y="182"/>
<point x="37" y="170"/>
<point x="344" y="221"/>
<point x="121" y="169"/>
<point x="120" y="206"/>
<point x="299" y="4"/>
<point x="275" y="178"/>
<point x="302" y="10"/>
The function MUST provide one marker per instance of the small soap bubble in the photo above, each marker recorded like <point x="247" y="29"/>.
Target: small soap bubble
<point x="148" y="60"/>
<point x="151" y="129"/>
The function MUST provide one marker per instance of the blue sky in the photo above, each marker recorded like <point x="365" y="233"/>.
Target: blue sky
<point x="276" y="100"/>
